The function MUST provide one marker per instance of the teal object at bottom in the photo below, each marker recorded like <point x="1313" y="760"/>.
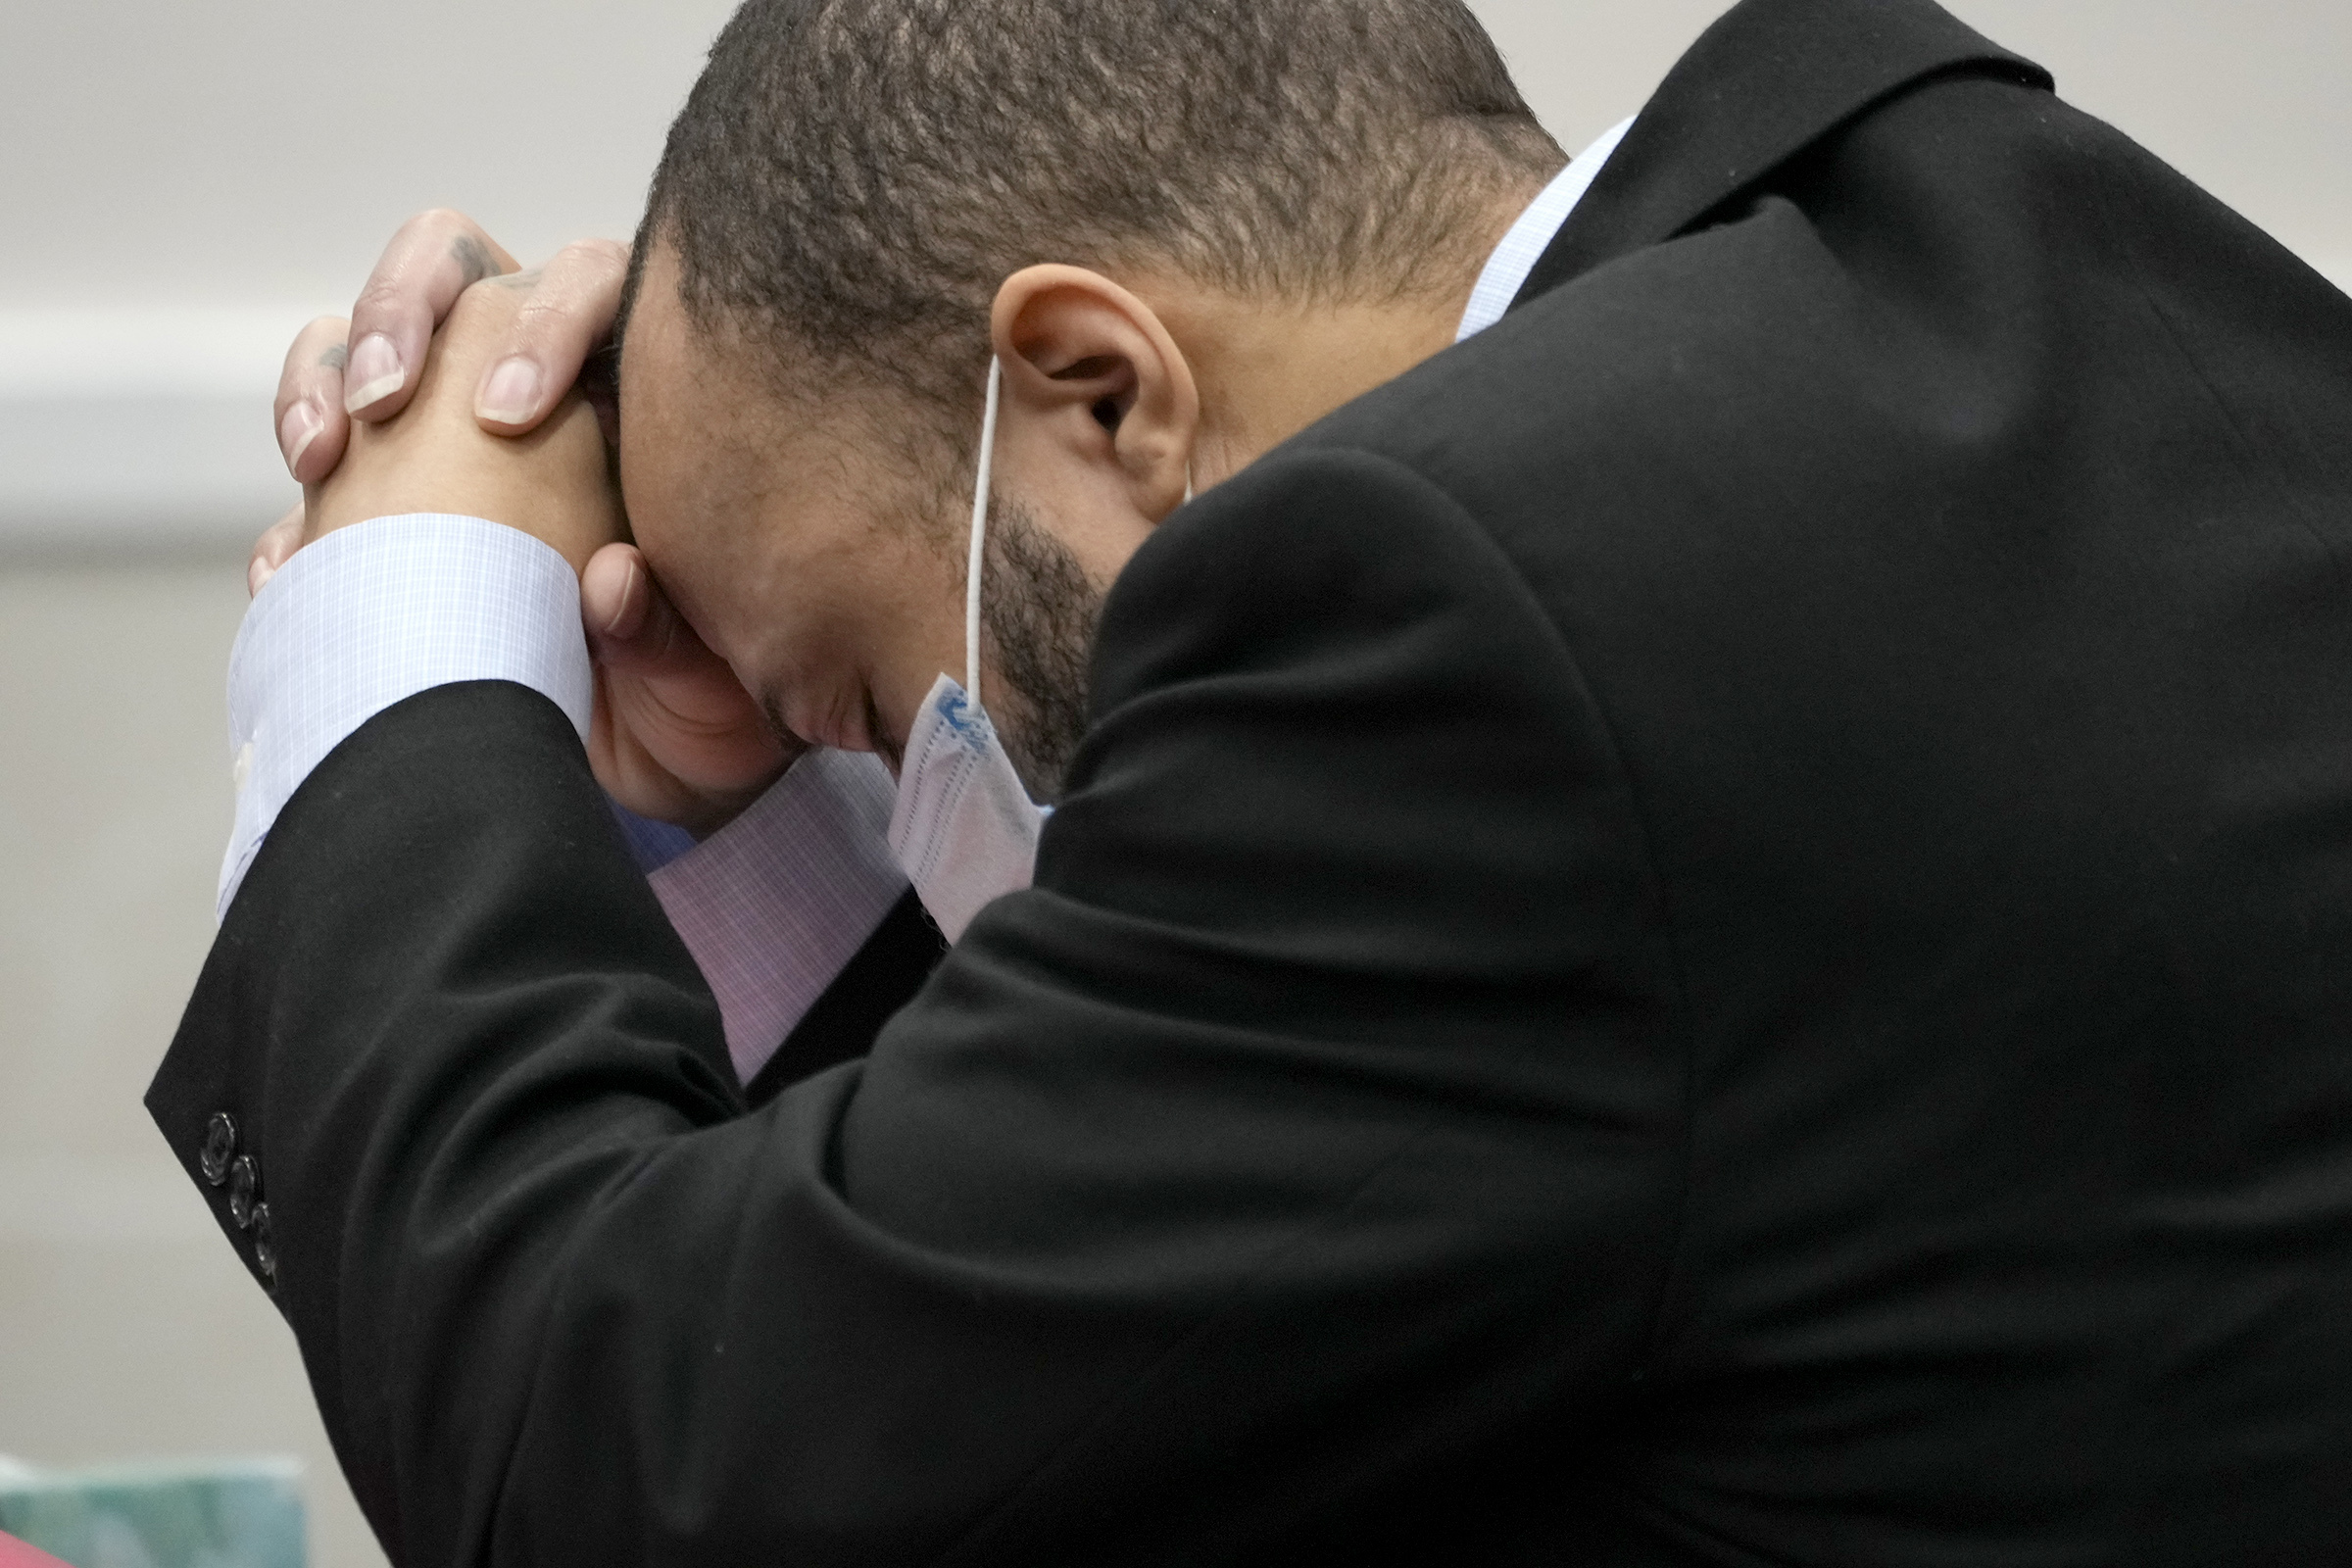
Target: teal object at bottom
<point x="235" y="1514"/>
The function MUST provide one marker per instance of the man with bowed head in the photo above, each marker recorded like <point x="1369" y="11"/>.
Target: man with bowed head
<point x="1700" y="849"/>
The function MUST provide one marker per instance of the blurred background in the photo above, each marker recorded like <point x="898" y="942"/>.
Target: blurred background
<point x="183" y="187"/>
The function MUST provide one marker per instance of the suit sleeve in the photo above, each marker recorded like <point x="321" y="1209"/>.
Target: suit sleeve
<point x="1297" y="1160"/>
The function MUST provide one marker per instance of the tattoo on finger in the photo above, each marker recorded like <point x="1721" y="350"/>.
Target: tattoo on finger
<point x="473" y="259"/>
<point x="336" y="356"/>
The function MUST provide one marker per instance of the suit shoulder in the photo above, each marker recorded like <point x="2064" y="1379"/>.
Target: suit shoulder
<point x="1302" y="553"/>
<point x="1667" y="360"/>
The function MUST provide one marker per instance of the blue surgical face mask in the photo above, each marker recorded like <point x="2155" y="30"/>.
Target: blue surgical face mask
<point x="964" y="828"/>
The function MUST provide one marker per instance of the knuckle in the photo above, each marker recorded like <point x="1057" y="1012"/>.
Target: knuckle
<point x="300" y="355"/>
<point x="379" y="298"/>
<point x="594" y="255"/>
<point x="439" y="220"/>
<point x="311" y="358"/>
<point x="540" y="317"/>
<point x="320" y="339"/>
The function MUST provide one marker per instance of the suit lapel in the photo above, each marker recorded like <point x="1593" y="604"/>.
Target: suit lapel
<point x="1769" y="79"/>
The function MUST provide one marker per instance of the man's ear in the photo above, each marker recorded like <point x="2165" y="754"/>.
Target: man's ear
<point x="1093" y="368"/>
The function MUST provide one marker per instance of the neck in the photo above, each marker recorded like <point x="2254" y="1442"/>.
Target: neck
<point x="1265" y="375"/>
<point x="1267" y="371"/>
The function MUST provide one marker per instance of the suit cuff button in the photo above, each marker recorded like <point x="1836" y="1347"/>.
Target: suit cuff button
<point x="244" y="1185"/>
<point x="264" y="1245"/>
<point x="219" y="1148"/>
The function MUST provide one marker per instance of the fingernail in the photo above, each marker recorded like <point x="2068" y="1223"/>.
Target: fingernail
<point x="374" y="371"/>
<point x="511" y="394"/>
<point x="622" y="604"/>
<point x="296" y="432"/>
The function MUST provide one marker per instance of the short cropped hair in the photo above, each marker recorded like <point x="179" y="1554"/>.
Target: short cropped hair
<point x="852" y="179"/>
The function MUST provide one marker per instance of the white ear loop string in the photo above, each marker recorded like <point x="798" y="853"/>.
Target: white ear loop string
<point x="971" y="575"/>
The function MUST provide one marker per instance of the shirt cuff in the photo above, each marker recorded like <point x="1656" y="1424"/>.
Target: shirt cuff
<point x="375" y="614"/>
<point x="776" y="904"/>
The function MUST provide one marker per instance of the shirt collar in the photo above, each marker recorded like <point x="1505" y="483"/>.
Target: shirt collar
<point x="1507" y="268"/>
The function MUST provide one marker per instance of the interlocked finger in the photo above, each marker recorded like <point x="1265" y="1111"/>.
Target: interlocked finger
<point x="309" y="412"/>
<point x="434" y="257"/>
<point x="566" y="317"/>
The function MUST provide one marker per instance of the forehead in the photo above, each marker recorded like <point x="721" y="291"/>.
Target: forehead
<point x="692" y="388"/>
<point x="694" y="416"/>
<point x="712" y="382"/>
<point x="661" y="359"/>
<point x="690" y="471"/>
<point x="711" y="441"/>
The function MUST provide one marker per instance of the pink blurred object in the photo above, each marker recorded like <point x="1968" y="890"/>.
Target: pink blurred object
<point x="14" y="1553"/>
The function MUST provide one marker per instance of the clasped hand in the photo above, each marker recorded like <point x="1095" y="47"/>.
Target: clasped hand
<point x="454" y="387"/>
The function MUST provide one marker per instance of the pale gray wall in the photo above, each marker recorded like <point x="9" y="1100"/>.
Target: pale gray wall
<point x="2250" y="98"/>
<point x="182" y="187"/>
<point x="255" y="152"/>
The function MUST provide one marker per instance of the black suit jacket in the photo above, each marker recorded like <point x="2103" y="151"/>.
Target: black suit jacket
<point x="1715" y="929"/>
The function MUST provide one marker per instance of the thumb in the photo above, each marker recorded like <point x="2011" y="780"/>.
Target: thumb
<point x="630" y="621"/>
<point x="676" y="735"/>
<point x="653" y="661"/>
